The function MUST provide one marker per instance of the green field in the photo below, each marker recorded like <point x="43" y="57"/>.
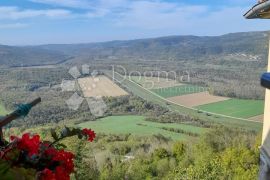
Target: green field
<point x="3" y="111"/>
<point x="153" y="98"/>
<point x="235" y="107"/>
<point x="138" y="126"/>
<point x="178" y="90"/>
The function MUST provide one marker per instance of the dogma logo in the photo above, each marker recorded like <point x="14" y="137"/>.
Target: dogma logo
<point x="96" y="104"/>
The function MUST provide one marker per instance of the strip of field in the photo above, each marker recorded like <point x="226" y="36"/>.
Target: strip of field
<point x="154" y="82"/>
<point x="100" y="86"/>
<point x="257" y="118"/>
<point x="179" y="90"/>
<point x="196" y="99"/>
<point x="3" y="111"/>
<point x="235" y="107"/>
<point x="138" y="126"/>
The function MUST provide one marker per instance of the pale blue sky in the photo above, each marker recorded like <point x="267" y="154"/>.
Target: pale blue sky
<point x="26" y="22"/>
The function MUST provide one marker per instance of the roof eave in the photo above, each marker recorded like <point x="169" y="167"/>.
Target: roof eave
<point x="259" y="11"/>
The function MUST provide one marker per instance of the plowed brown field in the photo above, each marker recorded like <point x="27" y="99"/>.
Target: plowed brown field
<point x="100" y="86"/>
<point x="196" y="99"/>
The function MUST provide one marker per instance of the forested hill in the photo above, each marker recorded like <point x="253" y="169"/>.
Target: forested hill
<point x="250" y="46"/>
<point x="173" y="47"/>
<point x="28" y="56"/>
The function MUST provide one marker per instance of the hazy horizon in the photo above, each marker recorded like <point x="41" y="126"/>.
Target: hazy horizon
<point x="131" y="39"/>
<point x="35" y="22"/>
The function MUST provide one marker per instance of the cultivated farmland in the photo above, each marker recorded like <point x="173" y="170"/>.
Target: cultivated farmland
<point x="154" y="98"/>
<point x="138" y="126"/>
<point x="235" y="107"/>
<point x="154" y="82"/>
<point x="100" y="86"/>
<point x="196" y="99"/>
<point x="179" y="90"/>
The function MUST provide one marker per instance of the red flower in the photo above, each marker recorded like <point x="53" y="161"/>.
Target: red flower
<point x="61" y="174"/>
<point x="55" y="164"/>
<point x="91" y="134"/>
<point x="28" y="143"/>
<point x="47" y="174"/>
<point x="65" y="161"/>
<point x="64" y="158"/>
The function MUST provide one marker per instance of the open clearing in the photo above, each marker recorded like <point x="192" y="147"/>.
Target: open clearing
<point x="196" y="99"/>
<point x="100" y="86"/>
<point x="138" y="126"/>
<point x="154" y="82"/>
<point x="178" y="90"/>
<point x="235" y="107"/>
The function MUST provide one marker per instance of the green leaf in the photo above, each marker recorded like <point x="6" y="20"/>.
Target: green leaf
<point x="4" y="167"/>
<point x="13" y="154"/>
<point x="80" y="136"/>
<point x="54" y="135"/>
<point x="60" y="146"/>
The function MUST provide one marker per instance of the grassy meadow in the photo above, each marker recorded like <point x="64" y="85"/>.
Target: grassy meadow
<point x="235" y="107"/>
<point x="138" y="126"/>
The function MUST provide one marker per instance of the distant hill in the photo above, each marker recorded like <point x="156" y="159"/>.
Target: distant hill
<point x="28" y="56"/>
<point x="172" y="47"/>
<point x="248" y="46"/>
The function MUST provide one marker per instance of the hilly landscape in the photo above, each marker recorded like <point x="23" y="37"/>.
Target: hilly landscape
<point x="171" y="128"/>
<point x="247" y="47"/>
<point x="224" y="72"/>
<point x="134" y="90"/>
<point x="172" y="47"/>
<point x="219" y="62"/>
<point x="29" y="56"/>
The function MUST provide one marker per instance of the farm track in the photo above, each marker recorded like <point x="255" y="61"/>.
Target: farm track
<point x="209" y="116"/>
